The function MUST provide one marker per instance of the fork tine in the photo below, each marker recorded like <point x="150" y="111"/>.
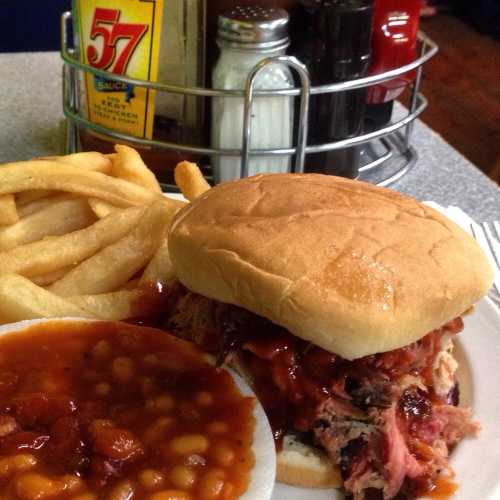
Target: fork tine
<point x="480" y="235"/>
<point x="496" y="225"/>
<point x="490" y="240"/>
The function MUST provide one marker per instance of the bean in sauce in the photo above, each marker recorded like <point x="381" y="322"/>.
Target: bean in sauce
<point x="112" y="411"/>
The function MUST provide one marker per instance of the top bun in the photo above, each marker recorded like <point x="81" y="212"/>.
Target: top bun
<point x="353" y="268"/>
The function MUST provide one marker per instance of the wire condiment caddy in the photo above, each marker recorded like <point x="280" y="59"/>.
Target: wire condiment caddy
<point x="387" y="156"/>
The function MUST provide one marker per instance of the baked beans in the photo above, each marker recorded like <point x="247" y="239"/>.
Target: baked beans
<point x="102" y="349"/>
<point x="150" y="360"/>
<point x="217" y="427"/>
<point x="151" y="478"/>
<point x="102" y="389"/>
<point x="123" y="369"/>
<point x="204" y="398"/>
<point x="158" y="429"/>
<point x="17" y="463"/>
<point x="147" y="385"/>
<point x="160" y="404"/>
<point x="223" y="454"/>
<point x="7" y="425"/>
<point x="182" y="477"/>
<point x="171" y="495"/>
<point x="189" y="444"/>
<point x="123" y="491"/>
<point x="211" y="484"/>
<point x="105" y="411"/>
<point x="34" y="486"/>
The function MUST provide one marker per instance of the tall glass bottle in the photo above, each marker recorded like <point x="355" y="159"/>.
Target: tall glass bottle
<point x="336" y="48"/>
<point x="160" y="40"/>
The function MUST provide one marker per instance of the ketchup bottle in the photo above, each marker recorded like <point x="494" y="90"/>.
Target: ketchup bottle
<point x="394" y="41"/>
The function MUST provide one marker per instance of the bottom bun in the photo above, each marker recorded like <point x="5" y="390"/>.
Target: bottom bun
<point x="299" y="464"/>
<point x="302" y="465"/>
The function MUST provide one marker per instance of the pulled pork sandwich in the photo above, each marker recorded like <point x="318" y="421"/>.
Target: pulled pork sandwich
<point x="339" y="301"/>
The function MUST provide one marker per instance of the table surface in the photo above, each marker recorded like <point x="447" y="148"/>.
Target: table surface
<point x="33" y="125"/>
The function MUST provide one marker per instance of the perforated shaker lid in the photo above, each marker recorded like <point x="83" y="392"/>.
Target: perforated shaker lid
<point x="256" y="27"/>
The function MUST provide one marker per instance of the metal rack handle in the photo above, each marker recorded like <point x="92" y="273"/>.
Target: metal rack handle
<point x="305" y="82"/>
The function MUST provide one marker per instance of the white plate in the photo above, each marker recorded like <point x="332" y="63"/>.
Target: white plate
<point x="264" y="472"/>
<point x="476" y="461"/>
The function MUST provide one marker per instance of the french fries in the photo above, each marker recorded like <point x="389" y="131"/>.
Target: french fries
<point x="59" y="176"/>
<point x="85" y="235"/>
<point x="8" y="210"/>
<point x="131" y="285"/>
<point x="56" y="252"/>
<point x="127" y="164"/>
<point x="93" y="161"/>
<point x="41" y="203"/>
<point x="114" y="306"/>
<point x="31" y="195"/>
<point x="159" y="269"/>
<point x="97" y="162"/>
<point x="190" y="180"/>
<point x="21" y="299"/>
<point x="49" y="278"/>
<point x="114" y="265"/>
<point x="58" y="217"/>
<point x="101" y="208"/>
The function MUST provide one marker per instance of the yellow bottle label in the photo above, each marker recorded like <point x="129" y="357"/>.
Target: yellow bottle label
<point x="122" y="37"/>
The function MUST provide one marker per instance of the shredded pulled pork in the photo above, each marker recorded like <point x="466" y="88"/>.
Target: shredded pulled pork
<point x="388" y="420"/>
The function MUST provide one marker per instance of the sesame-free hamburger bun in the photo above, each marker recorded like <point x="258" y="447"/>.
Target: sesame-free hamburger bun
<point x="354" y="268"/>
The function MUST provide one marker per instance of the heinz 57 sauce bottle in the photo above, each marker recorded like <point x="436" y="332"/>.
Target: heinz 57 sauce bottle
<point x="155" y="40"/>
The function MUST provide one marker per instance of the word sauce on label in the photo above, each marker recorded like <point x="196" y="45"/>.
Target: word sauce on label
<point x="121" y="37"/>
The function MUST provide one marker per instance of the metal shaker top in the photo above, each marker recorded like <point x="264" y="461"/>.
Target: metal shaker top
<point x="254" y="28"/>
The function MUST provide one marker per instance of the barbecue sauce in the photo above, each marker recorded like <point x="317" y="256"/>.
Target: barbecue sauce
<point x="442" y="488"/>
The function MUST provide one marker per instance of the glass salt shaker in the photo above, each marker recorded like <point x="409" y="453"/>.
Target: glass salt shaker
<point x="246" y="36"/>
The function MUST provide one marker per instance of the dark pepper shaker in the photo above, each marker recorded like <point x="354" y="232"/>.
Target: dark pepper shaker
<point x="336" y="47"/>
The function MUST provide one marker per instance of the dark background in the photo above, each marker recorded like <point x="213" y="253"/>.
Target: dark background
<point x="30" y="25"/>
<point x="33" y="25"/>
